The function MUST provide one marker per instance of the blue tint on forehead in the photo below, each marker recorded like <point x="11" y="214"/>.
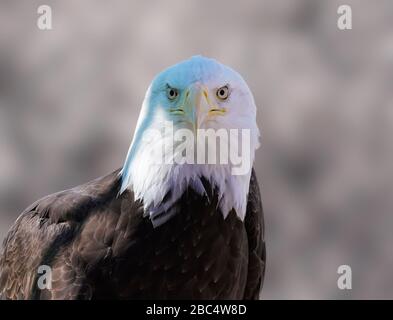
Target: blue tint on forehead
<point x="196" y="69"/>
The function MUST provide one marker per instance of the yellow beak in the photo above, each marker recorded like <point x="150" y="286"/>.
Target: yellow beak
<point x="198" y="105"/>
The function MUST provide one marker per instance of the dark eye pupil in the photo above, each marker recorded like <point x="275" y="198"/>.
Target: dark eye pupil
<point x="222" y="92"/>
<point x="172" y="92"/>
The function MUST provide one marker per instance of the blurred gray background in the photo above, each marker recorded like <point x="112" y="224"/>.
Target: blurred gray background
<point x="70" y="97"/>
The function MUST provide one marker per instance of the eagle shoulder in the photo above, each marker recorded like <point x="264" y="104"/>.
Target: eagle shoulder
<point x="40" y="236"/>
<point x="255" y="227"/>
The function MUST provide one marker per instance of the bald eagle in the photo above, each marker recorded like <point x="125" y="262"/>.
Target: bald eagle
<point x="175" y="229"/>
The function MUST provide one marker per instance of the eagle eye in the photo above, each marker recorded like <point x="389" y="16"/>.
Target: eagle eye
<point x="222" y="93"/>
<point x="171" y="93"/>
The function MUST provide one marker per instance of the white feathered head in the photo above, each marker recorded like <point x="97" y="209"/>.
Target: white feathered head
<point x="198" y="119"/>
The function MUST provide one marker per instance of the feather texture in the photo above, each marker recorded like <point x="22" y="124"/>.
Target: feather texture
<point x="100" y="246"/>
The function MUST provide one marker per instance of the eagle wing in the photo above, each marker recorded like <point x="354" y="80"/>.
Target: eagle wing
<point x="44" y="234"/>
<point x="78" y="232"/>
<point x="254" y="223"/>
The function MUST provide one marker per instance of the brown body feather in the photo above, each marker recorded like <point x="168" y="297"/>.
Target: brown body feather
<point x="99" y="246"/>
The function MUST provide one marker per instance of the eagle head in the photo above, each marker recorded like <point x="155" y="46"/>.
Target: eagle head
<point x="197" y="121"/>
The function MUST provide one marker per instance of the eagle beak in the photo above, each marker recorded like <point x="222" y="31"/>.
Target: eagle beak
<point x="199" y="106"/>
